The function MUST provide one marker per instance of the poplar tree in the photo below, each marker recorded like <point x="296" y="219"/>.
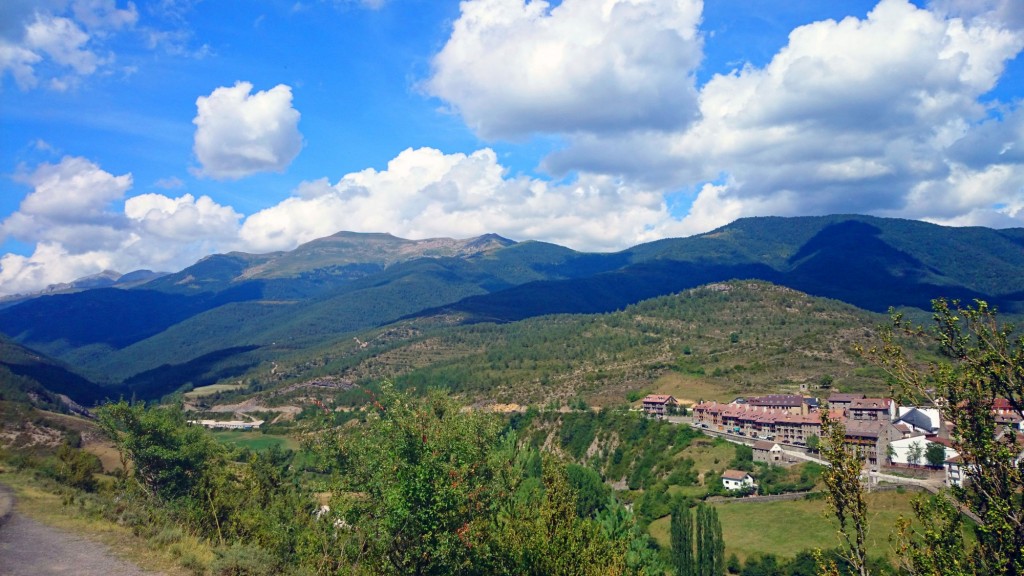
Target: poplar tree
<point x="710" y="545"/>
<point x="682" y="540"/>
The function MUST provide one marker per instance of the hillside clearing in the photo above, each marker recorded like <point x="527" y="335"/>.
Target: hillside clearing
<point x="212" y="389"/>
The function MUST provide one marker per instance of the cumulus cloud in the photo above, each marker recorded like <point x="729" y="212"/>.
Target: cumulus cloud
<point x="1001" y="12"/>
<point x="856" y="115"/>
<point x="239" y="133"/>
<point x="75" y="189"/>
<point x="511" y="67"/>
<point x="75" y="219"/>
<point x="59" y="42"/>
<point x="879" y="115"/>
<point x="421" y="193"/>
<point x="425" y="193"/>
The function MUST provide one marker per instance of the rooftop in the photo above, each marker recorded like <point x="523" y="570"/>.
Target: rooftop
<point x="777" y="400"/>
<point x="658" y="398"/>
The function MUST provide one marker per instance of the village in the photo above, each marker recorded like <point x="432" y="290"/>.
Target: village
<point x="785" y="428"/>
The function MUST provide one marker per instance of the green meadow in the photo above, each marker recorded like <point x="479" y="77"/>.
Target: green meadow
<point x="785" y="528"/>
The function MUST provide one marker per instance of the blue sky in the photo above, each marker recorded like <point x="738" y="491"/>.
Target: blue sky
<point x="149" y="134"/>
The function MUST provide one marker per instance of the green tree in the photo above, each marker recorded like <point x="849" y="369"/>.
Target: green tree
<point x="982" y="363"/>
<point x="682" y="540"/>
<point x="845" y="497"/>
<point x="813" y="442"/>
<point x="591" y="492"/>
<point x="733" y="565"/>
<point x="914" y="453"/>
<point x="425" y="487"/>
<point x="170" y="459"/>
<point x="938" y="549"/>
<point x="762" y="565"/>
<point x="710" y="545"/>
<point x="550" y="539"/>
<point x="935" y="454"/>
<point x="418" y="484"/>
<point x="619" y="525"/>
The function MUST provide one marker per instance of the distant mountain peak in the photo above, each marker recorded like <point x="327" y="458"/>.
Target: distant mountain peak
<point x="490" y="239"/>
<point x="381" y="249"/>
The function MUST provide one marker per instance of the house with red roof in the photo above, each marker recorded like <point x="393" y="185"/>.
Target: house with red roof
<point x="737" y="480"/>
<point x="658" y="405"/>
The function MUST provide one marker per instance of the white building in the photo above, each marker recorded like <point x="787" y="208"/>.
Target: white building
<point x="737" y="480"/>
<point x="902" y="449"/>
<point x="229" y="424"/>
<point x="919" y="420"/>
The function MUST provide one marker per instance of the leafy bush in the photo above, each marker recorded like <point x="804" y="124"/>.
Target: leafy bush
<point x="76" y="468"/>
<point x="243" y="560"/>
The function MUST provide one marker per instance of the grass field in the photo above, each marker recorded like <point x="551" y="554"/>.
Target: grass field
<point x="688" y="389"/>
<point x="212" y="389"/>
<point x="254" y="440"/>
<point x="785" y="528"/>
<point x="707" y="454"/>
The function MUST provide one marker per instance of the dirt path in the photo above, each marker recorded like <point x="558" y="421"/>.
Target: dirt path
<point x="28" y="548"/>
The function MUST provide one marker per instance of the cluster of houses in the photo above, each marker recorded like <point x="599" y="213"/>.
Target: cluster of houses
<point x="883" y="432"/>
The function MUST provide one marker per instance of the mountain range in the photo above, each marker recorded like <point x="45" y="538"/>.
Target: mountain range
<point x="227" y="313"/>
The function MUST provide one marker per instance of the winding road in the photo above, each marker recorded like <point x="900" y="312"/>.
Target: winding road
<point x="28" y="548"/>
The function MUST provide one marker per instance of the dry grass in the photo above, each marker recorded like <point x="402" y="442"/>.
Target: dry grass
<point x="107" y="453"/>
<point x="93" y="440"/>
<point x="690" y="389"/>
<point x="211" y="390"/>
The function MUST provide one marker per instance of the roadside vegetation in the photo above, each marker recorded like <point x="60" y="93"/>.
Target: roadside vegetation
<point x="256" y="503"/>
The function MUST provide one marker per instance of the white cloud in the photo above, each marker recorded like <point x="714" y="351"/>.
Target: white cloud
<point x="104" y="16"/>
<point x="75" y="189"/>
<point x="169" y="183"/>
<point x="59" y="41"/>
<point x="424" y="193"/>
<point x="856" y="115"/>
<point x="184" y="217"/>
<point x="72" y="216"/>
<point x="880" y="115"/>
<point x="239" y="134"/>
<point x="49" y="264"/>
<point x="512" y="68"/>
<point x="19" y="61"/>
<point x="1000" y="12"/>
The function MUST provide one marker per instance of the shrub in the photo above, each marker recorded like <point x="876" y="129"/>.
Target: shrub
<point x="243" y="560"/>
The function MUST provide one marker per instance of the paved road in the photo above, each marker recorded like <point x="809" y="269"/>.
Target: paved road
<point x="28" y="548"/>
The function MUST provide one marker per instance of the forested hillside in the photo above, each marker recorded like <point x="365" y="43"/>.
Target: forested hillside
<point x="735" y="338"/>
<point x="235" y="314"/>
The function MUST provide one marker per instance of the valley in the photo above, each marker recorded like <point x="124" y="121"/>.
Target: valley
<point x="468" y="343"/>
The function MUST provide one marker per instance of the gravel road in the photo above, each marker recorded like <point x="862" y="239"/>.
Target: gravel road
<point x="28" y="548"/>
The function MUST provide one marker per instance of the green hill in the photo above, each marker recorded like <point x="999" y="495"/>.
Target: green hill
<point x="233" y="313"/>
<point x="734" y="338"/>
<point x="29" y="377"/>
